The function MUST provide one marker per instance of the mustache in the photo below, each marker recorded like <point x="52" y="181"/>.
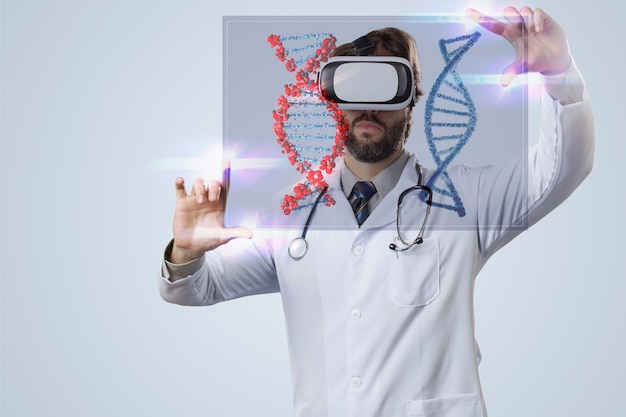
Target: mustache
<point x="368" y="117"/>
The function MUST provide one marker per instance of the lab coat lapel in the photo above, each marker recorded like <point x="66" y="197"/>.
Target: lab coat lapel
<point x="339" y="215"/>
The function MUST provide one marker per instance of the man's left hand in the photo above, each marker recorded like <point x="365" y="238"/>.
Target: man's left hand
<point x="540" y="43"/>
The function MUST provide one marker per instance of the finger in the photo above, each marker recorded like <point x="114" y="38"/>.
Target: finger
<point x="180" y="187"/>
<point x="539" y="16"/>
<point x="512" y="71"/>
<point x="529" y="20"/>
<point x="489" y="23"/>
<point x="508" y="76"/>
<point x="198" y="191"/>
<point x="513" y="15"/>
<point x="214" y="190"/>
<point x="230" y="233"/>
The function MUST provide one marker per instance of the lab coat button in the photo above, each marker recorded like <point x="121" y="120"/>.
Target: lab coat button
<point x="359" y="250"/>
<point x="355" y="314"/>
<point x="355" y="382"/>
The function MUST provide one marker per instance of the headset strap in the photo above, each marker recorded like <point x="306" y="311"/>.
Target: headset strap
<point x="363" y="46"/>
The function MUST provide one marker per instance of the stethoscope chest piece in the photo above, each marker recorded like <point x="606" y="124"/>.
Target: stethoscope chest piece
<point x="297" y="248"/>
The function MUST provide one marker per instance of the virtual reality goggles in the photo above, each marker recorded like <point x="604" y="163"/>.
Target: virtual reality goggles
<point x="368" y="82"/>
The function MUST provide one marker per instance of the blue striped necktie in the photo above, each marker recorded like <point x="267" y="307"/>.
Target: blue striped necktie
<point x="362" y="191"/>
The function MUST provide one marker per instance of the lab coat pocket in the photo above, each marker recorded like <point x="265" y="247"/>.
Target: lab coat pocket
<point x="413" y="275"/>
<point x="466" y="405"/>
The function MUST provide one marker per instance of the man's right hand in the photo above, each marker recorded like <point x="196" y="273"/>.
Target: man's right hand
<point x="199" y="219"/>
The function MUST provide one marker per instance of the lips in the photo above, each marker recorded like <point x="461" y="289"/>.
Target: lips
<point x="367" y="125"/>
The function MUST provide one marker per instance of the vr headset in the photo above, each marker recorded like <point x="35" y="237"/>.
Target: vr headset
<point x="368" y="82"/>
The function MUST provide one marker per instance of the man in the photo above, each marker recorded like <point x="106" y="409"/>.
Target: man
<point x="380" y="332"/>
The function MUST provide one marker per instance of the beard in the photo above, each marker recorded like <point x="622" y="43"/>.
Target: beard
<point x="366" y="148"/>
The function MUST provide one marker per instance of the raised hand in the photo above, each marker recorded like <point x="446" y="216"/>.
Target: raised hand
<point x="199" y="218"/>
<point x="540" y="43"/>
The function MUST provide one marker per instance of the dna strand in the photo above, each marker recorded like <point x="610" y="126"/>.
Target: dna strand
<point x="310" y="129"/>
<point x="449" y="120"/>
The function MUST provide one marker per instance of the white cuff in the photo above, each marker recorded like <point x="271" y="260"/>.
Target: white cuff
<point x="567" y="87"/>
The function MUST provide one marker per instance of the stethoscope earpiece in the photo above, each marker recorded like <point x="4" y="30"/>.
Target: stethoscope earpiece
<point x="393" y="246"/>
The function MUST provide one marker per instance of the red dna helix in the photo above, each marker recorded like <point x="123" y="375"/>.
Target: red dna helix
<point x="310" y="130"/>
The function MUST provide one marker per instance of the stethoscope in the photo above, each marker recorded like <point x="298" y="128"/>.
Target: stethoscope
<point x="299" y="246"/>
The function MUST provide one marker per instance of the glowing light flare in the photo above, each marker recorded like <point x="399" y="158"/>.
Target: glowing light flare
<point x="203" y="164"/>
<point x="481" y="79"/>
<point x="251" y="223"/>
<point x="488" y="7"/>
<point x="459" y="18"/>
<point x="256" y="163"/>
<point x="532" y="82"/>
<point x="209" y="165"/>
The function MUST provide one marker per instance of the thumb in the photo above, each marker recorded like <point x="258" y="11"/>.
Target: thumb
<point x="229" y="233"/>
<point x="512" y="71"/>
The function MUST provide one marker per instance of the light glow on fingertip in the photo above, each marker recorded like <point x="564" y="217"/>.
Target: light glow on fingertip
<point x="529" y="80"/>
<point x="487" y="7"/>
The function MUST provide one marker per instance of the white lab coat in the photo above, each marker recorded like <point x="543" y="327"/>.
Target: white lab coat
<point x="379" y="333"/>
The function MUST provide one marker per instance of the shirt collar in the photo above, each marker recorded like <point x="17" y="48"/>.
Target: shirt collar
<point x="384" y="182"/>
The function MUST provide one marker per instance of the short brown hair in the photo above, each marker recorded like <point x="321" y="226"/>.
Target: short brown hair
<point x="392" y="41"/>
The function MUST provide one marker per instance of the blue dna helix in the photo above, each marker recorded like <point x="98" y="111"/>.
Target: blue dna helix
<point x="449" y="120"/>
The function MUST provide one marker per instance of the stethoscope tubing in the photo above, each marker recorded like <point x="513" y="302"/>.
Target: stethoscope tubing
<point x="299" y="246"/>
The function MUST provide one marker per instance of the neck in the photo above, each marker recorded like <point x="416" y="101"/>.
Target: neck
<point x="368" y="170"/>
